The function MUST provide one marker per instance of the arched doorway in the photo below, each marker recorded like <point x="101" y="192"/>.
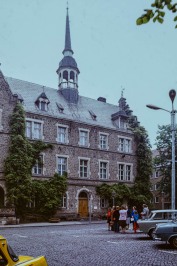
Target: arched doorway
<point x="83" y="204"/>
<point x="1" y="197"/>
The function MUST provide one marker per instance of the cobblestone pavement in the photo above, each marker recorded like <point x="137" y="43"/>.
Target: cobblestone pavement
<point x="89" y="245"/>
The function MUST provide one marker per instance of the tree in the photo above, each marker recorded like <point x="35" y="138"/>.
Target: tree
<point x="157" y="13"/>
<point x="163" y="160"/>
<point x="48" y="194"/>
<point x="140" y="192"/>
<point x="121" y="193"/>
<point x="19" y="162"/>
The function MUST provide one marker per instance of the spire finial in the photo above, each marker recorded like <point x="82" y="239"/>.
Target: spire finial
<point x="67" y="34"/>
<point x="67" y="7"/>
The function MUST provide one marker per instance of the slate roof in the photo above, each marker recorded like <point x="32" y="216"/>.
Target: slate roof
<point x="68" y="61"/>
<point x="79" y="112"/>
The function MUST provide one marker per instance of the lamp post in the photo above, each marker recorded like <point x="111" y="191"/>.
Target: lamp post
<point x="90" y="194"/>
<point x="172" y="94"/>
<point x="113" y="198"/>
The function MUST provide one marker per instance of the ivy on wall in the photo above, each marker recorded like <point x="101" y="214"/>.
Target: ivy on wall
<point x="22" y="156"/>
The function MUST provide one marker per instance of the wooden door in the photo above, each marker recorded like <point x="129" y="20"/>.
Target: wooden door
<point x="83" y="207"/>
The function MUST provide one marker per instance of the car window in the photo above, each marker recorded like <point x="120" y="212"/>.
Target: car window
<point x="159" y="216"/>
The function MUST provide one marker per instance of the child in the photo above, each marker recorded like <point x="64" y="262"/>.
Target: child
<point x="135" y="224"/>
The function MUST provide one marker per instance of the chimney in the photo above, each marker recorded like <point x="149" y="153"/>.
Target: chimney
<point x="101" y="99"/>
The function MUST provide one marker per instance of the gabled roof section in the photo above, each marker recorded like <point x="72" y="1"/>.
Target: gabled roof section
<point x="42" y="96"/>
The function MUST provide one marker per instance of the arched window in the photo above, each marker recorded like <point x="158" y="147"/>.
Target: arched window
<point x="83" y="195"/>
<point x="65" y="75"/>
<point x="72" y="76"/>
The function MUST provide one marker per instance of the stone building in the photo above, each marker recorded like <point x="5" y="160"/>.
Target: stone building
<point x="91" y="138"/>
<point x="160" y="200"/>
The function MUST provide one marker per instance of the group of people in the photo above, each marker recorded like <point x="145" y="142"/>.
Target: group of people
<point x="119" y="218"/>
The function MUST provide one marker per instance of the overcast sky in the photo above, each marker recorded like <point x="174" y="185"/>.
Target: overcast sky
<point x="111" y="51"/>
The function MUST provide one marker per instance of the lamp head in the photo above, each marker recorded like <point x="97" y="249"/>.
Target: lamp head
<point x="154" y="107"/>
<point x="172" y="94"/>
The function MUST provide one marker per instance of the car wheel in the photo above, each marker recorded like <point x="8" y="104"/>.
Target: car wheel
<point x="151" y="233"/>
<point x="173" y="242"/>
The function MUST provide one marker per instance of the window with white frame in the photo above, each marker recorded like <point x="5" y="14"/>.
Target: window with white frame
<point x="62" y="134"/>
<point x="124" y="172"/>
<point x="103" y="170"/>
<point x="127" y="172"/>
<point x="84" y="168"/>
<point x="157" y="173"/>
<point x="103" y="141"/>
<point x="121" y="172"/>
<point x="43" y="106"/>
<point x="102" y="203"/>
<point x="61" y="165"/>
<point x="34" y="129"/>
<point x="125" y="144"/>
<point x="38" y="167"/>
<point x="156" y="199"/>
<point x="83" y="137"/>
<point x="64" y="201"/>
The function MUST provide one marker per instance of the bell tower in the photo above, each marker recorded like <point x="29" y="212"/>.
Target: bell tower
<point x="68" y="71"/>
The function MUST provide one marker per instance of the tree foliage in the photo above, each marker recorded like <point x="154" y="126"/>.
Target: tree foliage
<point x="48" y="194"/>
<point x="21" y="189"/>
<point x="141" y="189"/>
<point x="163" y="160"/>
<point x="139" y="193"/>
<point x="157" y="12"/>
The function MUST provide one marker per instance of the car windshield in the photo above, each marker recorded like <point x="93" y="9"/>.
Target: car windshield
<point x="12" y="254"/>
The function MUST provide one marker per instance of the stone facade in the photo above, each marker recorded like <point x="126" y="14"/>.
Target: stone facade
<point x="91" y="138"/>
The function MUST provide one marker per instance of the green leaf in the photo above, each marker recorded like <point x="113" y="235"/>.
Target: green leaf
<point x="167" y="2"/>
<point x="169" y="6"/>
<point x="175" y="18"/>
<point x="145" y="19"/>
<point x="139" y="21"/>
<point x="160" y="20"/>
<point x="154" y="19"/>
<point x="176" y="27"/>
<point x="162" y="14"/>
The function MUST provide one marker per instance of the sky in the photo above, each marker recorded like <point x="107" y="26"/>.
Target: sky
<point x="112" y="52"/>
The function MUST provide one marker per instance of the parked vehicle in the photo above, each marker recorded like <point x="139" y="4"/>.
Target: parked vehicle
<point x="166" y="232"/>
<point x="8" y="257"/>
<point x="147" y="226"/>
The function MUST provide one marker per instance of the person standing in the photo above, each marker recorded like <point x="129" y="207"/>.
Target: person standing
<point x="128" y="217"/>
<point x="135" y="222"/>
<point x="145" y="212"/>
<point x="116" y="219"/>
<point x="109" y="218"/>
<point x="112" y="218"/>
<point x="122" y="218"/>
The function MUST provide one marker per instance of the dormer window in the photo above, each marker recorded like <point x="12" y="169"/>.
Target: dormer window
<point x="92" y="114"/>
<point x="42" y="102"/>
<point x="43" y="106"/>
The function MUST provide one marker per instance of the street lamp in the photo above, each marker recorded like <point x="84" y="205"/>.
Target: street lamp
<point x="162" y="200"/>
<point x="89" y="196"/>
<point x="113" y="197"/>
<point x="172" y="94"/>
